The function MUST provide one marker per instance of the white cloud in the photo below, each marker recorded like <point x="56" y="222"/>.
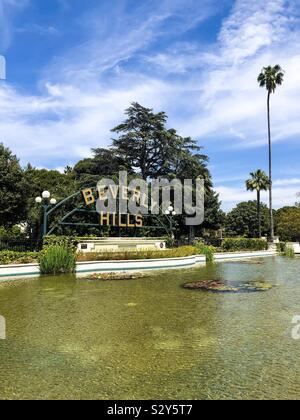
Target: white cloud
<point x="230" y="196"/>
<point x="209" y="91"/>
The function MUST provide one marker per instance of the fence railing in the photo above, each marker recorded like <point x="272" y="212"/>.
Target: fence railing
<point x="26" y="245"/>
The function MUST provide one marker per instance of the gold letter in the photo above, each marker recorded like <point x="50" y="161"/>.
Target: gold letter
<point x="120" y="221"/>
<point x="104" y="220"/>
<point x="129" y="224"/>
<point x="88" y="196"/>
<point x="139" y="220"/>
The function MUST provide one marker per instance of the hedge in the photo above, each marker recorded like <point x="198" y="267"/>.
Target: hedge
<point x="13" y="257"/>
<point x="184" y="251"/>
<point x="68" y="242"/>
<point x="244" y="244"/>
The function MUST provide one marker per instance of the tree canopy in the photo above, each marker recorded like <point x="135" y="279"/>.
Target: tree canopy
<point x="242" y="220"/>
<point x="287" y="223"/>
<point x="13" y="189"/>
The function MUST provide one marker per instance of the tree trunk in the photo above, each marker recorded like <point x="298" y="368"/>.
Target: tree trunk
<point x="270" y="173"/>
<point x="259" y="214"/>
<point x="191" y="235"/>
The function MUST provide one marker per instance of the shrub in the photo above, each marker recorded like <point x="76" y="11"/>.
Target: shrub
<point x="13" y="257"/>
<point x="207" y="250"/>
<point x="288" y="224"/>
<point x="184" y="251"/>
<point x="56" y="259"/>
<point x="244" y="244"/>
<point x="289" y="252"/>
<point x="281" y="247"/>
<point x="68" y="242"/>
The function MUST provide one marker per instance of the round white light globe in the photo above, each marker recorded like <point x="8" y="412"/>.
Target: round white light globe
<point x="46" y="194"/>
<point x="38" y="200"/>
<point x="174" y="213"/>
<point x="53" y="201"/>
<point x="167" y="213"/>
<point x="170" y="209"/>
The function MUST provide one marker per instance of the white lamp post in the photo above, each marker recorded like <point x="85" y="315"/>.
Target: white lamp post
<point x="46" y="202"/>
<point x="171" y="213"/>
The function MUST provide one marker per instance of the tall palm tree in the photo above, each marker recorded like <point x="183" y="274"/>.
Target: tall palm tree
<point x="270" y="77"/>
<point x="259" y="182"/>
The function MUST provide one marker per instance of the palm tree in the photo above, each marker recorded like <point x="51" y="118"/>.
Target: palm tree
<point x="270" y="77"/>
<point x="259" y="182"/>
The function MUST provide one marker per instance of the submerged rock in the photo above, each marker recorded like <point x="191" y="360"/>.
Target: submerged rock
<point x="218" y="286"/>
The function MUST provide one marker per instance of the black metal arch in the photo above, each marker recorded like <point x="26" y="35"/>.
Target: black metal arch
<point x="64" y="221"/>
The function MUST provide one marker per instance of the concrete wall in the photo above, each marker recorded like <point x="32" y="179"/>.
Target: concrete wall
<point x="121" y="244"/>
<point x="32" y="270"/>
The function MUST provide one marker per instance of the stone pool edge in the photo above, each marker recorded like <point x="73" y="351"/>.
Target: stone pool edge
<point x="10" y="272"/>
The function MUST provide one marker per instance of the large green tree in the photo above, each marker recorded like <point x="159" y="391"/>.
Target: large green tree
<point x="105" y="162"/>
<point x="242" y="220"/>
<point x="258" y="182"/>
<point x="269" y="78"/>
<point x="149" y="148"/>
<point x="287" y="222"/>
<point x="13" y="189"/>
<point x="60" y="185"/>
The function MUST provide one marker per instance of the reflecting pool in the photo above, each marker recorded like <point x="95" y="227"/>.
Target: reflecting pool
<point x="69" y="338"/>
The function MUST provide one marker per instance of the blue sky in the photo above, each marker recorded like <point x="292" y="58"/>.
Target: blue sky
<point x="73" y="66"/>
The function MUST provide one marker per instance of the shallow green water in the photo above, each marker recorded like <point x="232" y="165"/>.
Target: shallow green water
<point x="149" y="338"/>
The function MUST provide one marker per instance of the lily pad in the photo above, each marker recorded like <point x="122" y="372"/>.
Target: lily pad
<point x="115" y="276"/>
<point x="218" y="286"/>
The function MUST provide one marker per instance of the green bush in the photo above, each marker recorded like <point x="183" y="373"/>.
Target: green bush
<point x="289" y="252"/>
<point x="281" y="247"/>
<point x="207" y="250"/>
<point x="12" y="233"/>
<point x="13" y="257"/>
<point x="244" y="244"/>
<point x="68" y="242"/>
<point x="184" y="251"/>
<point x="57" y="259"/>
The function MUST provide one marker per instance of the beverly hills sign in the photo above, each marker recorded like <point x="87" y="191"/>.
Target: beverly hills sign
<point x="124" y="204"/>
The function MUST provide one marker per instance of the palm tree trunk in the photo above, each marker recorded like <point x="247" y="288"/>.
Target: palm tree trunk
<point x="270" y="173"/>
<point x="259" y="214"/>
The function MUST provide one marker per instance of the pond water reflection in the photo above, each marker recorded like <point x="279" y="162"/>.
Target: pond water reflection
<point x="150" y="339"/>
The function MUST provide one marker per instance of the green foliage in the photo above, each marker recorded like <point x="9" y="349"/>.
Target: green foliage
<point x="38" y="180"/>
<point x="259" y="181"/>
<point x="12" y="257"/>
<point x="169" y="241"/>
<point x="281" y="247"/>
<point x="185" y="251"/>
<point x="244" y="244"/>
<point x="289" y="252"/>
<point x="103" y="163"/>
<point x="13" y="189"/>
<point x="287" y="223"/>
<point x="56" y="259"/>
<point x="146" y="144"/>
<point x="208" y="251"/>
<point x="271" y="77"/>
<point x="67" y="242"/>
<point x="242" y="220"/>
<point x="13" y="233"/>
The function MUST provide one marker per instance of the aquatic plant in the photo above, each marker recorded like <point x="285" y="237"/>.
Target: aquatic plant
<point x="57" y="259"/>
<point x="208" y="251"/>
<point x="219" y="286"/>
<point x="289" y="252"/>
